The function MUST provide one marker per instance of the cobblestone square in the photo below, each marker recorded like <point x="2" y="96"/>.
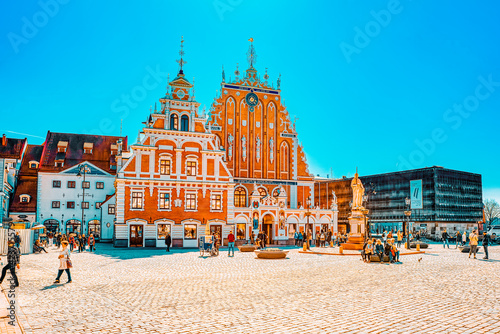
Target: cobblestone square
<point x="150" y="291"/>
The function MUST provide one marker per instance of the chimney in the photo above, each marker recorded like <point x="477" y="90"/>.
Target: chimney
<point x="4" y="140"/>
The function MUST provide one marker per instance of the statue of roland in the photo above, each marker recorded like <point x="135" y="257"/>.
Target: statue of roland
<point x="357" y="192"/>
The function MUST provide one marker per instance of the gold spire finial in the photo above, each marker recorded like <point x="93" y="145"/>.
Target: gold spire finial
<point x="181" y="61"/>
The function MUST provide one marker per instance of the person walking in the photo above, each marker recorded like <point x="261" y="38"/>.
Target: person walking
<point x="83" y="242"/>
<point x="458" y="238"/>
<point x="17" y="240"/>
<point x="486" y="243"/>
<point x="58" y="240"/>
<point x="64" y="262"/>
<point x="263" y="240"/>
<point x="301" y="239"/>
<point x="464" y="238"/>
<point x="473" y="243"/>
<point x="91" y="243"/>
<point x="13" y="262"/>
<point x="296" y="238"/>
<point x="168" y="241"/>
<point x="445" y="236"/>
<point x="322" y="239"/>
<point x="71" y="242"/>
<point x="399" y="238"/>
<point x="395" y="252"/>
<point x="230" y="243"/>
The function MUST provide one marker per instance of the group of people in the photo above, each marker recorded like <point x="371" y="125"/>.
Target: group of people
<point x="324" y="238"/>
<point x="376" y="247"/>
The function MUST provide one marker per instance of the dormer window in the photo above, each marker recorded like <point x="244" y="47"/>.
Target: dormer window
<point x="62" y="146"/>
<point x="24" y="198"/>
<point x="114" y="149"/>
<point x="33" y="164"/>
<point x="87" y="148"/>
<point x="59" y="164"/>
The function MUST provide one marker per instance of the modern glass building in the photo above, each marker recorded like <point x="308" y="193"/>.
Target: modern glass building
<point x="450" y="199"/>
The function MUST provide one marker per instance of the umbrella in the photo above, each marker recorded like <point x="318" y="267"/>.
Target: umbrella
<point x="37" y="227"/>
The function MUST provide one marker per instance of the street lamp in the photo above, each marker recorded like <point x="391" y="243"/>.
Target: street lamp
<point x="308" y="213"/>
<point x="83" y="170"/>
<point x="407" y="214"/>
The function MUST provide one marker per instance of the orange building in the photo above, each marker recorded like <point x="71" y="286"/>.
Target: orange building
<point x="265" y="158"/>
<point x="176" y="180"/>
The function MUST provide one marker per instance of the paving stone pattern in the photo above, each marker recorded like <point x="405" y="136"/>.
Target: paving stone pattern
<point x="149" y="291"/>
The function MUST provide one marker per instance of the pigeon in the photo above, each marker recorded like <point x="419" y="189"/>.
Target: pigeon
<point x="419" y="259"/>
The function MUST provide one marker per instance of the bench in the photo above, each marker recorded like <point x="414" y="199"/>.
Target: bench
<point x="375" y="258"/>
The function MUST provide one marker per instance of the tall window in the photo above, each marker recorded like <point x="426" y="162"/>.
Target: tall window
<point x="136" y="200"/>
<point x="165" y="167"/>
<point x="111" y="209"/>
<point x="164" y="201"/>
<point x="284" y="157"/>
<point x="163" y="230"/>
<point x="56" y="184"/>
<point x="216" y="202"/>
<point x="71" y="184"/>
<point x="85" y="205"/>
<point x="262" y="192"/>
<point x="191" y="202"/>
<point x="184" y="123"/>
<point x="191" y="168"/>
<point x="190" y="231"/>
<point x="240" y="197"/>
<point x="99" y="185"/>
<point x="86" y="185"/>
<point x="70" y="205"/>
<point x="174" y="122"/>
<point x="56" y="204"/>
<point x="241" y="231"/>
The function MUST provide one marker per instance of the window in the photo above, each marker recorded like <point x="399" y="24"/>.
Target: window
<point x="241" y="231"/>
<point x="98" y="205"/>
<point x="136" y="200"/>
<point x="163" y="230"/>
<point x="216" y="202"/>
<point x="190" y="231"/>
<point x="165" y="167"/>
<point x="70" y="205"/>
<point x="190" y="201"/>
<point x="24" y="198"/>
<point x="56" y="184"/>
<point x="56" y="204"/>
<point x="71" y="184"/>
<point x="85" y="205"/>
<point x="33" y="164"/>
<point x="164" y="201"/>
<point x="85" y="185"/>
<point x="111" y="209"/>
<point x="262" y="192"/>
<point x="99" y="185"/>
<point x="87" y="148"/>
<point x="240" y="197"/>
<point x="59" y="164"/>
<point x="174" y="122"/>
<point x="191" y="168"/>
<point x="185" y="123"/>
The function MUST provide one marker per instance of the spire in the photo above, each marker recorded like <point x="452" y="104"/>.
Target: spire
<point x="181" y="61"/>
<point x="266" y="76"/>
<point x="237" y="72"/>
<point x="223" y="74"/>
<point x="251" y="55"/>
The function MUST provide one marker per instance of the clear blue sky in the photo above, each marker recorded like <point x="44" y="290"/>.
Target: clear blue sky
<point x="367" y="79"/>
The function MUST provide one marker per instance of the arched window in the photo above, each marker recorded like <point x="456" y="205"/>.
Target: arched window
<point x="184" y="123"/>
<point x="73" y="226"/>
<point x="276" y="193"/>
<point x="51" y="225"/>
<point x="262" y="192"/>
<point x="240" y="197"/>
<point x="174" y="122"/>
<point x="284" y="157"/>
<point x="95" y="228"/>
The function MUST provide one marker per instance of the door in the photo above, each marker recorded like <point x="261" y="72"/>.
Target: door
<point x="268" y="228"/>
<point x="136" y="236"/>
<point x="218" y="231"/>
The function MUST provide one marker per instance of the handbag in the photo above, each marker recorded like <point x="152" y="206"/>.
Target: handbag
<point x="69" y="264"/>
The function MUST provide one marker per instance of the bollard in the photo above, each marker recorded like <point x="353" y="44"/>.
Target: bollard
<point x="341" y="250"/>
<point x="418" y="247"/>
<point x="331" y="244"/>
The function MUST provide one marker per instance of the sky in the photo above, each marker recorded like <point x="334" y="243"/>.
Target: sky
<point x="379" y="85"/>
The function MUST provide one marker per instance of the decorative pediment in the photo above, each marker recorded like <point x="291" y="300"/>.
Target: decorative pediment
<point x="89" y="168"/>
<point x="269" y="201"/>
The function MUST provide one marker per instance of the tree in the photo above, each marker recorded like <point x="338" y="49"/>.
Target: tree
<point x="491" y="210"/>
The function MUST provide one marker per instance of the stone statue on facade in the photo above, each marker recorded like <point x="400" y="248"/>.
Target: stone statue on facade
<point x="357" y="192"/>
<point x="244" y="147"/>
<point x="257" y="148"/>
<point x="230" y="140"/>
<point x="271" y="149"/>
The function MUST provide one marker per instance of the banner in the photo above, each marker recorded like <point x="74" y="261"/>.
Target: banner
<point x="416" y="194"/>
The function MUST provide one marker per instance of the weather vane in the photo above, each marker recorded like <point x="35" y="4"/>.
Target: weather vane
<point x="251" y="55"/>
<point x="181" y="61"/>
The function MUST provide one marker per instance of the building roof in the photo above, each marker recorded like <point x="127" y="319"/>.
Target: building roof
<point x="27" y="181"/>
<point x="12" y="148"/>
<point x="72" y="151"/>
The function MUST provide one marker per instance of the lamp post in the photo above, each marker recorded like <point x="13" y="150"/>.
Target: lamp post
<point x="83" y="170"/>
<point x="308" y="213"/>
<point x="407" y="214"/>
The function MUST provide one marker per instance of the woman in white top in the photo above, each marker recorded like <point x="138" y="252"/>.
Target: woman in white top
<point x="464" y="238"/>
<point x="63" y="262"/>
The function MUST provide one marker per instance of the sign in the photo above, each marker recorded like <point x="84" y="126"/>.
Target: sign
<point x="416" y="194"/>
<point x="288" y="135"/>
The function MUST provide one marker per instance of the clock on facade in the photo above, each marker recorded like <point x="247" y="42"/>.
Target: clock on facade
<point x="252" y="100"/>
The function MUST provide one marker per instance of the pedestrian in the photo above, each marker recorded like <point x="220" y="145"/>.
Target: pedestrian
<point x="379" y="250"/>
<point x="230" y="243"/>
<point x="329" y="238"/>
<point x="296" y="238"/>
<point x="13" y="261"/>
<point x="400" y="238"/>
<point x="71" y="242"/>
<point x="168" y="241"/>
<point x="473" y="243"/>
<point x="58" y="240"/>
<point x="395" y="252"/>
<point x="17" y="240"/>
<point x="91" y="243"/>
<point x="252" y="237"/>
<point x="388" y="250"/>
<point x="369" y="251"/>
<point x="445" y="237"/>
<point x="83" y="241"/>
<point x="464" y="238"/>
<point x="301" y="239"/>
<point x="322" y="239"/>
<point x="364" y="251"/>
<point x="458" y="238"/>
<point x="486" y="243"/>
<point x="64" y="262"/>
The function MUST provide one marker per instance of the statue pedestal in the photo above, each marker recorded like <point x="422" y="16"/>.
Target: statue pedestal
<point x="356" y="239"/>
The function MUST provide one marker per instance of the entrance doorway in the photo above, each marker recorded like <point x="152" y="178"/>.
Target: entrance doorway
<point x="136" y="236"/>
<point x="268" y="228"/>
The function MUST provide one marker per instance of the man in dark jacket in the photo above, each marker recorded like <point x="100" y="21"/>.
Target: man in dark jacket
<point x="83" y="242"/>
<point x="168" y="241"/>
<point x="486" y="243"/>
<point x="445" y="237"/>
<point x="379" y="250"/>
<point x="387" y="251"/>
<point x="13" y="261"/>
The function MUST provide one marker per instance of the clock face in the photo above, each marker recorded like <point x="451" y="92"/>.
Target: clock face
<point x="180" y="93"/>
<point x="252" y="99"/>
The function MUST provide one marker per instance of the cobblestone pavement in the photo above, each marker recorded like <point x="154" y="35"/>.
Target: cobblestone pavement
<point x="149" y="291"/>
